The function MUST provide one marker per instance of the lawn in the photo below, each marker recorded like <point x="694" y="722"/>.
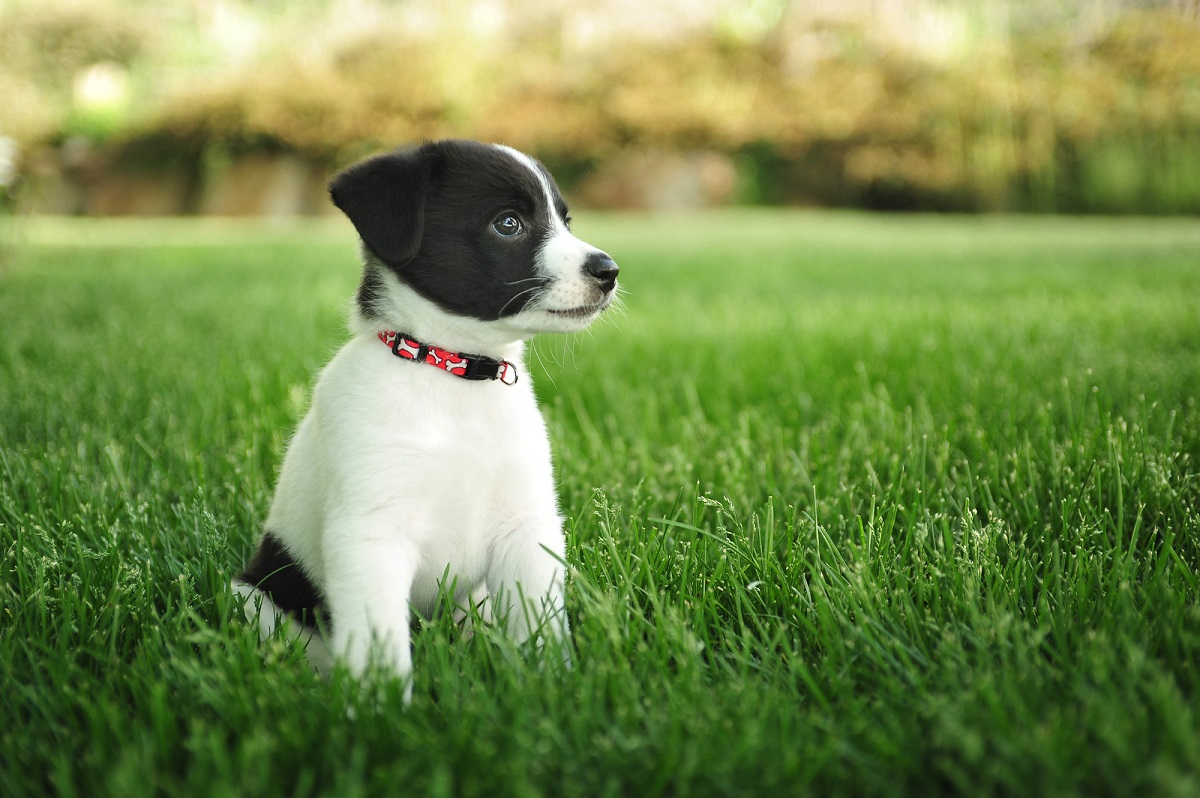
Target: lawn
<point x="856" y="505"/>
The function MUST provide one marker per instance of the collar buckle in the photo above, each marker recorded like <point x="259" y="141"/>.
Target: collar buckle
<point x="507" y="371"/>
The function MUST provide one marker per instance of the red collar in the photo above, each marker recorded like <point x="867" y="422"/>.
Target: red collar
<point x="469" y="367"/>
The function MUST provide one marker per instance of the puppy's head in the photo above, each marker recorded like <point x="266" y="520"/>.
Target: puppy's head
<point x="479" y="230"/>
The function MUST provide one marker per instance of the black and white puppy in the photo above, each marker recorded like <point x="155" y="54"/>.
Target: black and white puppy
<point x="423" y="461"/>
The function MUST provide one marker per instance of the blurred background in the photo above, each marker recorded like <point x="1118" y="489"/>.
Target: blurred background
<point x="244" y="107"/>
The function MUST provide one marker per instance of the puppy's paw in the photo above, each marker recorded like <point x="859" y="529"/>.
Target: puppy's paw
<point x="379" y="663"/>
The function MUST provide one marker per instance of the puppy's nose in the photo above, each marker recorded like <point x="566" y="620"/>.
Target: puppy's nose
<point x="604" y="269"/>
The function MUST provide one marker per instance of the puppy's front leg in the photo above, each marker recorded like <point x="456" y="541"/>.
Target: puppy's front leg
<point x="526" y="578"/>
<point x="369" y="575"/>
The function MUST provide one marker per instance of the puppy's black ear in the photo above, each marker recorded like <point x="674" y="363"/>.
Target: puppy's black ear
<point x="384" y="197"/>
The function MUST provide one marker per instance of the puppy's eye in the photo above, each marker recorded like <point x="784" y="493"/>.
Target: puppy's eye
<point x="508" y="225"/>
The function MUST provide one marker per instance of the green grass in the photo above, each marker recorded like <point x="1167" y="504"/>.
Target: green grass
<point x="856" y="506"/>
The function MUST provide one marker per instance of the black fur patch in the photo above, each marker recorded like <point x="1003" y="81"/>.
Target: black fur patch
<point x="369" y="291"/>
<point x="427" y="213"/>
<point x="275" y="572"/>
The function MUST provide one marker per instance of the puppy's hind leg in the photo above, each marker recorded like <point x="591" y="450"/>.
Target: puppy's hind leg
<point x="262" y="613"/>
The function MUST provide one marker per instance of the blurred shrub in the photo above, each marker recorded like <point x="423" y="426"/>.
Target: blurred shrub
<point x="1037" y="122"/>
<point x="30" y="115"/>
<point x="51" y="42"/>
<point x="47" y="53"/>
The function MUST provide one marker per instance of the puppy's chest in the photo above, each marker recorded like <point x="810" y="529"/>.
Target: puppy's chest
<point x="457" y="477"/>
<point x="467" y="466"/>
<point x="458" y="454"/>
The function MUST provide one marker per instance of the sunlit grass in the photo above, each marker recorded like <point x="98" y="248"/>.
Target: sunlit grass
<point x="856" y="505"/>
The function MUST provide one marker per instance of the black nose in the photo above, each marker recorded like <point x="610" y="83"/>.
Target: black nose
<point x="604" y="269"/>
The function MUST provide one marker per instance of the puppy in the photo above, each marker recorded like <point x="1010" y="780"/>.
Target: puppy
<point x="423" y="463"/>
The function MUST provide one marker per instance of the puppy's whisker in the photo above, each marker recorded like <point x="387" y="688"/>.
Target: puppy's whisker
<point x="537" y="353"/>
<point x="618" y="304"/>
<point x="525" y="280"/>
<point x="567" y="353"/>
<point x="515" y="297"/>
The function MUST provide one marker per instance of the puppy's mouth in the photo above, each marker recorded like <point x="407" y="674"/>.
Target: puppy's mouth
<point x="583" y="311"/>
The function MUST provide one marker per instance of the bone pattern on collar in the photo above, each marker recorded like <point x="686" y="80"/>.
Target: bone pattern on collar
<point x="470" y="367"/>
